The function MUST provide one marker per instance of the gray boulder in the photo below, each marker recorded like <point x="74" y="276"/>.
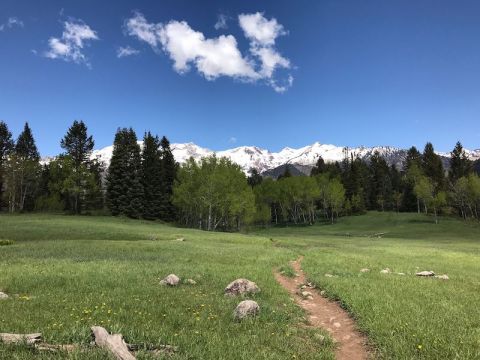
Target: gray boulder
<point x="241" y="287"/>
<point x="3" y="296"/>
<point x="246" y="308"/>
<point x="170" y="280"/>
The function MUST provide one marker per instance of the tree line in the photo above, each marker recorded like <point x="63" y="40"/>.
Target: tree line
<point x="215" y="194"/>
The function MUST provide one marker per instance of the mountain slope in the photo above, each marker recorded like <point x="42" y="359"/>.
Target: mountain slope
<point x="264" y="160"/>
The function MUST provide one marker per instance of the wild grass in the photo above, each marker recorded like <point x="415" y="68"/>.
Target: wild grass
<point x="404" y="316"/>
<point x="66" y="273"/>
<point x="287" y="270"/>
<point x="6" y="242"/>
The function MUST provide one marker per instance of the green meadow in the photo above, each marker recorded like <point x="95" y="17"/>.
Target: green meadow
<point x="65" y="274"/>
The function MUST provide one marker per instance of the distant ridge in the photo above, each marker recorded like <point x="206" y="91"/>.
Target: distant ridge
<point x="267" y="162"/>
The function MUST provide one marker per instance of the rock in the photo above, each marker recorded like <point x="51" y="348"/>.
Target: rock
<point x="303" y="287"/>
<point x="425" y="273"/>
<point x="386" y="271"/>
<point x="190" y="282"/>
<point x="442" y="277"/>
<point x="364" y="270"/>
<point x="403" y="274"/>
<point x="171" y="280"/>
<point x="180" y="239"/>
<point x="246" y="308"/>
<point x="328" y="275"/>
<point x="3" y="296"/>
<point x="241" y="287"/>
<point x="323" y="292"/>
<point x="307" y="295"/>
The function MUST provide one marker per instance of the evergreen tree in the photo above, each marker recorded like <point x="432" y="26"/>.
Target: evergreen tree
<point x="169" y="174"/>
<point x="319" y="168"/>
<point x="152" y="179"/>
<point x="25" y="146"/>
<point x="380" y="196"/>
<point x="433" y="167"/>
<point x="255" y="178"/>
<point x="78" y="146"/>
<point x="124" y="189"/>
<point x="77" y="143"/>
<point x="6" y="147"/>
<point x="460" y="165"/>
<point x="413" y="157"/>
<point x="23" y="172"/>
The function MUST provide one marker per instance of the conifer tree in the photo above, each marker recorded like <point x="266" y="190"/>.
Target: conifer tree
<point x="255" y="178"/>
<point x="169" y="174"/>
<point x="77" y="143"/>
<point x="6" y="147"/>
<point x="124" y="189"/>
<point x="152" y="177"/>
<point x="460" y="165"/>
<point x="78" y="146"/>
<point x="433" y="167"/>
<point x="22" y="172"/>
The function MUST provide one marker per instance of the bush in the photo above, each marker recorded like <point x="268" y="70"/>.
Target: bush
<point x="5" y="242"/>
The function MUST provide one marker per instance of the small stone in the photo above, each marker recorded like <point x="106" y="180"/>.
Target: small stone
<point x="170" y="280"/>
<point x="246" y="308"/>
<point x="328" y="275"/>
<point x="3" y="296"/>
<point x="400" y="273"/>
<point x="241" y="287"/>
<point x="323" y="292"/>
<point x="364" y="270"/>
<point x="386" y="271"/>
<point x="190" y="282"/>
<point x="425" y="273"/>
<point x="180" y="239"/>
<point x="337" y="324"/>
<point x="306" y="295"/>
<point x="442" y="277"/>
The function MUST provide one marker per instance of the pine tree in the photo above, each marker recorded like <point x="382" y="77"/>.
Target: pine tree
<point x="25" y="146"/>
<point x="460" y="165"/>
<point x="380" y="183"/>
<point x="124" y="189"/>
<point x="6" y="147"/>
<point x="319" y="168"/>
<point x="23" y="172"/>
<point x="433" y="167"/>
<point x="152" y="177"/>
<point x="77" y="143"/>
<point x="79" y="146"/>
<point x="255" y="178"/>
<point x="169" y="174"/>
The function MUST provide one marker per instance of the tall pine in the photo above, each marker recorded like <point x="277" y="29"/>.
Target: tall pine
<point x="433" y="167"/>
<point x="124" y="179"/>
<point x="169" y="174"/>
<point x="78" y="146"/>
<point x="460" y="165"/>
<point x="152" y="177"/>
<point x="6" y="147"/>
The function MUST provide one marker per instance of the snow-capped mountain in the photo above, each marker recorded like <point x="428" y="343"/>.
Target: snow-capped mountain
<point x="264" y="160"/>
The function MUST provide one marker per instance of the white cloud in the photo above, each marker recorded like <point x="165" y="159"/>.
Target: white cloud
<point x="221" y="22"/>
<point x="126" y="51"/>
<point x="260" y="30"/>
<point x="75" y="37"/>
<point x="218" y="56"/>
<point x="11" y="22"/>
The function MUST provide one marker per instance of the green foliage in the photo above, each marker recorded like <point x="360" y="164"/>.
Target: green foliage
<point x="432" y="167"/>
<point x="152" y="177"/>
<point x="213" y="194"/>
<point x="460" y="165"/>
<point x="287" y="270"/>
<point x="169" y="174"/>
<point x="6" y="242"/>
<point x="6" y="146"/>
<point x="124" y="179"/>
<point x="78" y="144"/>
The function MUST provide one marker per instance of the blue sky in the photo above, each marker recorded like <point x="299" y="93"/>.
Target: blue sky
<point x="343" y="72"/>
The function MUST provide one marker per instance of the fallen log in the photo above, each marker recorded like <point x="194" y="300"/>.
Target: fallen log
<point x="29" y="339"/>
<point x="114" y="343"/>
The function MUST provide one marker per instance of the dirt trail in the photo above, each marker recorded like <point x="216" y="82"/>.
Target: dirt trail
<point x="328" y="315"/>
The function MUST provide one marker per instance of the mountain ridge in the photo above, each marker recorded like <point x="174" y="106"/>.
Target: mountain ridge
<point x="264" y="160"/>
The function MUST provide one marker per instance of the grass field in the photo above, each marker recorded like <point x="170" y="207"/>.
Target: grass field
<point x="74" y="272"/>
